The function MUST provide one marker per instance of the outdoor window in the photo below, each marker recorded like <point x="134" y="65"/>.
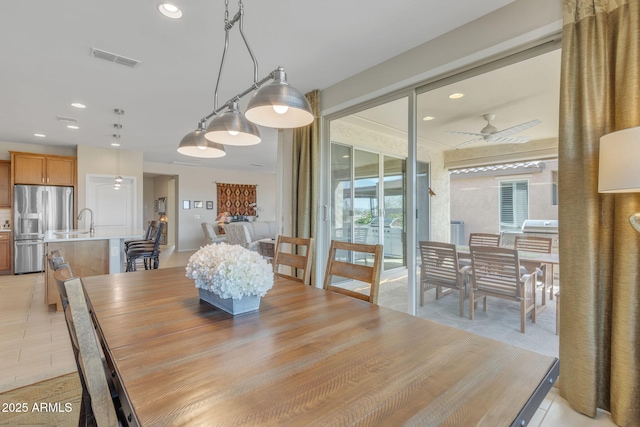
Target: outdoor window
<point x="514" y="204"/>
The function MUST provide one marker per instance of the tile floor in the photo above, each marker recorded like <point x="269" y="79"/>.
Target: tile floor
<point x="35" y="345"/>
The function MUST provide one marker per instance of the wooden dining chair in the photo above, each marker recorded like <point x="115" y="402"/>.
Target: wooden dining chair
<point x="496" y="273"/>
<point x="439" y="268"/>
<point x="61" y="275"/>
<point x="338" y="265"/>
<point x="484" y="239"/>
<point x="98" y="406"/>
<point x="544" y="276"/>
<point x="298" y="259"/>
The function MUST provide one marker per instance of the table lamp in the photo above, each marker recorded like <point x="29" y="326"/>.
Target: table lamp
<point x="620" y="165"/>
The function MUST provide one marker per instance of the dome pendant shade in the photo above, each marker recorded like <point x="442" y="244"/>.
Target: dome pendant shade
<point x="279" y="105"/>
<point x="232" y="128"/>
<point x="194" y="144"/>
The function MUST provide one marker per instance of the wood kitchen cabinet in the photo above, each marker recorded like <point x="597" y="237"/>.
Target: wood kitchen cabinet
<point x="5" y="184"/>
<point x="30" y="168"/>
<point x="5" y="253"/>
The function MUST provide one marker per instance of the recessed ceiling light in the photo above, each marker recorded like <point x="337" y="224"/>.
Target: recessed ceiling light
<point x="73" y="127"/>
<point x="115" y="144"/>
<point x="39" y="135"/>
<point x="169" y="10"/>
<point x="78" y="105"/>
<point x="456" y="95"/>
<point x="427" y="118"/>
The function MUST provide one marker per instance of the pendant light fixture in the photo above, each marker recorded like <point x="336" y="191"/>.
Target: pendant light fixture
<point x="232" y="128"/>
<point x="276" y="105"/>
<point x="194" y="144"/>
<point x="118" y="126"/>
<point x="279" y="105"/>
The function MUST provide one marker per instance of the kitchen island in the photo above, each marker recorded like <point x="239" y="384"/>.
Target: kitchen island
<point x="87" y="254"/>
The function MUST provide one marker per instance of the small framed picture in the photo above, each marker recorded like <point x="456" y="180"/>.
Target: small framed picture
<point x="186" y="204"/>
<point x="197" y="204"/>
<point x="210" y="204"/>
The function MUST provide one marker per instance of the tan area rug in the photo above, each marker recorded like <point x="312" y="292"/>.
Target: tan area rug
<point x="54" y="402"/>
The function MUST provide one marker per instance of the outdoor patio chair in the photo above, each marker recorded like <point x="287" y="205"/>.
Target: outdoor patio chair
<point x="484" y="239"/>
<point x="544" y="277"/>
<point x="358" y="272"/>
<point x="496" y="273"/>
<point x="439" y="267"/>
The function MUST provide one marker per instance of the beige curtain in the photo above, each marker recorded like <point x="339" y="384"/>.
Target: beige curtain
<point x="306" y="174"/>
<point x="599" y="251"/>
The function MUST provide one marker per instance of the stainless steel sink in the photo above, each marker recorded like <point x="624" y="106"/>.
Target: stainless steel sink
<point x="70" y="233"/>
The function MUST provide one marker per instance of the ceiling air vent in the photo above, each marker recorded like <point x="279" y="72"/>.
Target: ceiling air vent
<point x="68" y="120"/>
<point x="184" y="163"/>
<point x="112" y="57"/>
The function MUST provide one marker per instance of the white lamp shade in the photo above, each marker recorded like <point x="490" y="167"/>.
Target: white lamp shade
<point x="195" y="145"/>
<point x="232" y="128"/>
<point x="295" y="110"/>
<point x="620" y="162"/>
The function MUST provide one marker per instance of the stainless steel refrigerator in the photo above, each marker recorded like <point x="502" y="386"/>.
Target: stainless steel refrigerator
<point x="38" y="208"/>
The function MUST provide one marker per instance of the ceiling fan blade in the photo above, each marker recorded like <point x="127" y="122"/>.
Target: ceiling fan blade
<point x="518" y="128"/>
<point x="509" y="139"/>
<point x="469" y="133"/>
<point x="468" y="142"/>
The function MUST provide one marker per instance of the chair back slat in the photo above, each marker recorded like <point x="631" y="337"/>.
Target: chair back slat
<point x="363" y="273"/>
<point x="484" y="239"/>
<point x="496" y="271"/>
<point x="102" y="405"/>
<point x="533" y="244"/>
<point x="439" y="264"/>
<point x="299" y="259"/>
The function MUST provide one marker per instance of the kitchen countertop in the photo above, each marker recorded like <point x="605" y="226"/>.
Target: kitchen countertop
<point x="100" y="234"/>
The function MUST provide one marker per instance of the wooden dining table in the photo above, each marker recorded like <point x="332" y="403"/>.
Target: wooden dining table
<point x="308" y="357"/>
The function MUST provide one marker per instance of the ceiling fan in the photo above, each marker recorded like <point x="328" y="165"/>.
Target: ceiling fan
<point x="491" y="134"/>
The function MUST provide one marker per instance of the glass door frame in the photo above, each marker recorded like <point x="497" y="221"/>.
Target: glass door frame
<point x="324" y="229"/>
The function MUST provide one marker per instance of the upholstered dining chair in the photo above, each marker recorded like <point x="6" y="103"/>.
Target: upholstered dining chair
<point x="338" y="265"/>
<point x="98" y="406"/>
<point x="210" y="234"/>
<point x="496" y="273"/>
<point x="543" y="245"/>
<point x="439" y="268"/>
<point x="237" y="234"/>
<point x="298" y="259"/>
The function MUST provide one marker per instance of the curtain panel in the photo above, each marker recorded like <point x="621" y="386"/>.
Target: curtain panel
<point x="599" y="250"/>
<point x="306" y="175"/>
<point x="237" y="199"/>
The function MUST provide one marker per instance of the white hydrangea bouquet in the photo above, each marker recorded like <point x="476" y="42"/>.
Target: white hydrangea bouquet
<point x="230" y="271"/>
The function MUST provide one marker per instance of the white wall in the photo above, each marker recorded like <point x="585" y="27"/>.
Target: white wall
<point x="196" y="183"/>
<point x="6" y="146"/>
<point x="104" y="161"/>
<point x="519" y="23"/>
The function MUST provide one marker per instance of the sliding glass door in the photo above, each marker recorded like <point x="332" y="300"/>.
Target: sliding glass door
<point x="368" y="201"/>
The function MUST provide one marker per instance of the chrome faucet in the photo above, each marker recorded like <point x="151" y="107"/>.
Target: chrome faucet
<point x="92" y="227"/>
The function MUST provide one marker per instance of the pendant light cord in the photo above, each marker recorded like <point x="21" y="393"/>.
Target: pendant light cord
<point x="228" y="25"/>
